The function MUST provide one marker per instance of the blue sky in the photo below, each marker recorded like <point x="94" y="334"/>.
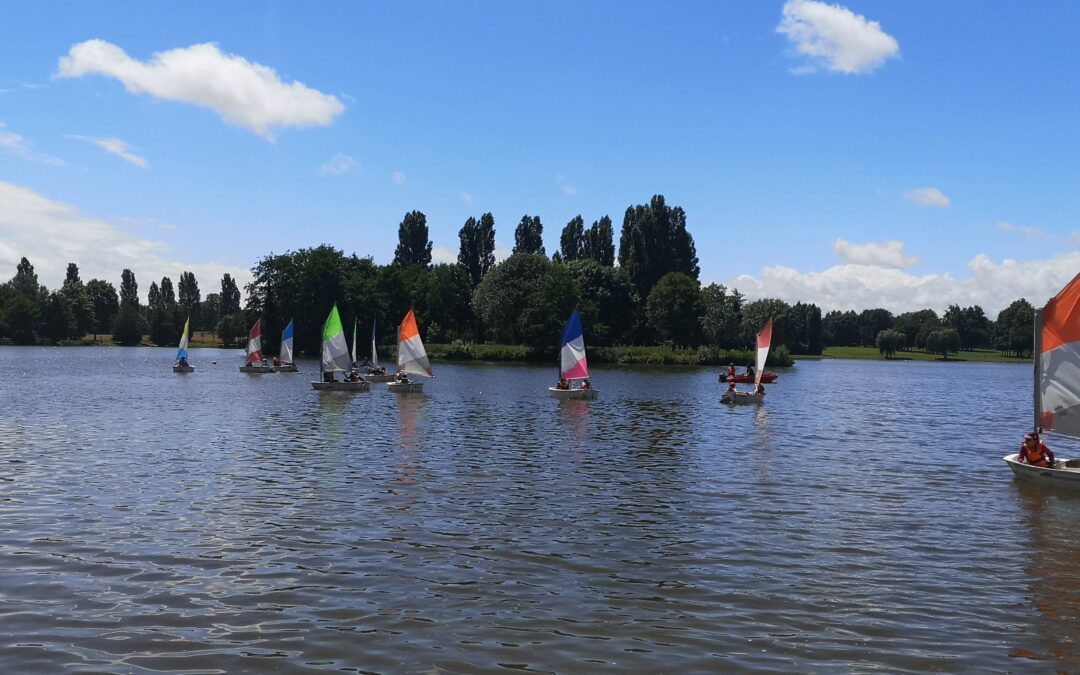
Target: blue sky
<point x="866" y="154"/>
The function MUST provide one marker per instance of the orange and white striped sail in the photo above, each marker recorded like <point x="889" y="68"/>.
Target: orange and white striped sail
<point x="411" y="357"/>
<point x="764" y="341"/>
<point x="1057" y="362"/>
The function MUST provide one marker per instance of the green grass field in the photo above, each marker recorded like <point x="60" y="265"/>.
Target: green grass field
<point x="978" y="355"/>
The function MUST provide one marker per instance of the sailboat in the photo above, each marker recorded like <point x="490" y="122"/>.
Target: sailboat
<point x="286" y="358"/>
<point x="374" y="372"/>
<point x="573" y="365"/>
<point x="764" y="341"/>
<point x="255" y="362"/>
<point x="411" y="358"/>
<point x="181" y="365"/>
<point x="1057" y="385"/>
<point x="335" y="358"/>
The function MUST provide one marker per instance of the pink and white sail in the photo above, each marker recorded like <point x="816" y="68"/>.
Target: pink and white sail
<point x="764" y="340"/>
<point x="254" y="346"/>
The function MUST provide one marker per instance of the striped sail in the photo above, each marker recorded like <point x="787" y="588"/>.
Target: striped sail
<point x="411" y="357"/>
<point x="1057" y="363"/>
<point x="374" y="352"/>
<point x="287" y="344"/>
<point x="573" y="364"/>
<point x="254" y="345"/>
<point x="335" y="353"/>
<point x="764" y="340"/>
<point x="182" y="352"/>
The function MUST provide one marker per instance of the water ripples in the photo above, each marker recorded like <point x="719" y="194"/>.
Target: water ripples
<point x="862" y="519"/>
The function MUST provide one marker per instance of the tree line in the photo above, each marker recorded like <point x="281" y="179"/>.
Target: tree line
<point x="645" y="292"/>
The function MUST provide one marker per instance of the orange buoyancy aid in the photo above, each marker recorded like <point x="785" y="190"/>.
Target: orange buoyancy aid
<point x="1037" y="456"/>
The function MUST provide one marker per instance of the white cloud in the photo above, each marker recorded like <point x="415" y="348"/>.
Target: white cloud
<point x="14" y="144"/>
<point x="466" y="197"/>
<point x="835" y="38"/>
<point x="1026" y="231"/>
<point x="52" y="234"/>
<point x="991" y="285"/>
<point x="247" y="94"/>
<point x="399" y="177"/>
<point x="929" y="196"/>
<point x="338" y="164"/>
<point x="502" y="253"/>
<point x="567" y="189"/>
<point x="884" y="254"/>
<point x="117" y="147"/>
<point x="440" y="254"/>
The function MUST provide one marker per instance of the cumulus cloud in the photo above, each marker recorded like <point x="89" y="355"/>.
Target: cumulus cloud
<point x="884" y="254"/>
<point x="337" y="165"/>
<point x="116" y="147"/>
<point x="928" y="196"/>
<point x="835" y="38"/>
<point x="989" y="284"/>
<point x="399" y="177"/>
<point x="440" y="254"/>
<point x="14" y="144"/>
<point x="52" y="234"/>
<point x="247" y="94"/>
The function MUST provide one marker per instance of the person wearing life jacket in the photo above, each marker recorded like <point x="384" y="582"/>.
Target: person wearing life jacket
<point x="1034" y="452"/>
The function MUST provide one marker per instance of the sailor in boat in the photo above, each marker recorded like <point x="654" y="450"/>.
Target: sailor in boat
<point x="277" y="362"/>
<point x="585" y="384"/>
<point x="328" y="376"/>
<point x="760" y="389"/>
<point x="1034" y="452"/>
<point x="354" y="376"/>
<point x="749" y="370"/>
<point x="563" y="383"/>
<point x="731" y="387"/>
<point x="402" y="377"/>
<point x="183" y="363"/>
<point x="731" y="372"/>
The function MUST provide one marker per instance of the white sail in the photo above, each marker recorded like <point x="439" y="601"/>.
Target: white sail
<point x="1057" y="363"/>
<point x="374" y="352"/>
<point x="353" y="353"/>
<point x="412" y="357"/>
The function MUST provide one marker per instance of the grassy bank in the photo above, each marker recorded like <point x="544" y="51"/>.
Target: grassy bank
<point x="872" y="353"/>
<point x="629" y="355"/>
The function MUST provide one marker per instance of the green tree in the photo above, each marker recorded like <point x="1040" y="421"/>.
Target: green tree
<point x="232" y="328"/>
<point x="943" y="341"/>
<point x="607" y="301"/>
<point x="153" y="297"/>
<point x="129" y="289"/>
<point x="21" y="314"/>
<point x="59" y="321"/>
<point x="721" y="316"/>
<point x="755" y="314"/>
<point x="414" y="246"/>
<point x="841" y="328"/>
<point x="888" y="342"/>
<point x="230" y="296"/>
<point x="189" y="297"/>
<point x="477" y="251"/>
<point x="599" y="243"/>
<point x="129" y="326"/>
<point x="572" y="240"/>
<point x="1014" y="330"/>
<point x="654" y="242"/>
<point x="525" y="299"/>
<point x="872" y="322"/>
<point x="449" y="303"/>
<point x="26" y="283"/>
<point x="168" y="294"/>
<point x="528" y="236"/>
<point x="674" y="309"/>
<point x="209" y="311"/>
<point x="915" y="326"/>
<point x="106" y="304"/>
<point x="79" y="301"/>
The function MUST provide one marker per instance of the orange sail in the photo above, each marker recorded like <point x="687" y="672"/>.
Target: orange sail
<point x="1057" y="363"/>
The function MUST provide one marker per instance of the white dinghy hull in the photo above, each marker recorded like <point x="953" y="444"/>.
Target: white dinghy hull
<point x="574" y="394"/>
<point x="1065" y="473"/>
<point x="341" y="386"/>
<point x="405" y="387"/>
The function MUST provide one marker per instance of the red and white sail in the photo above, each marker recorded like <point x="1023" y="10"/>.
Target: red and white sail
<point x="764" y="340"/>
<point x="412" y="358"/>
<point x="254" y="345"/>
<point x="1057" y="363"/>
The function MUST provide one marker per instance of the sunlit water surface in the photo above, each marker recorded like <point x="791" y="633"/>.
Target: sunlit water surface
<point x="221" y="522"/>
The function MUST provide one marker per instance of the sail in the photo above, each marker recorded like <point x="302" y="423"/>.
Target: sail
<point x="254" y="345"/>
<point x="374" y="352"/>
<point x="182" y="352"/>
<point x="573" y="365"/>
<point x="411" y="356"/>
<point x="353" y="354"/>
<point x="287" y="344"/>
<point x="1057" y="363"/>
<point x="764" y="339"/>
<point x="335" y="353"/>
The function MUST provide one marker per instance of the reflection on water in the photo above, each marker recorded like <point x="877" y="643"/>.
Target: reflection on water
<point x="226" y="523"/>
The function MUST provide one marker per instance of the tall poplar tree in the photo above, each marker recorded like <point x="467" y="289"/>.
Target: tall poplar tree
<point x="528" y="237"/>
<point x="655" y="242"/>
<point x="414" y="246"/>
<point x="572" y="240"/>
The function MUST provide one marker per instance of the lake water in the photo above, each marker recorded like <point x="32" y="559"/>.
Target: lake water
<point x="861" y="519"/>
